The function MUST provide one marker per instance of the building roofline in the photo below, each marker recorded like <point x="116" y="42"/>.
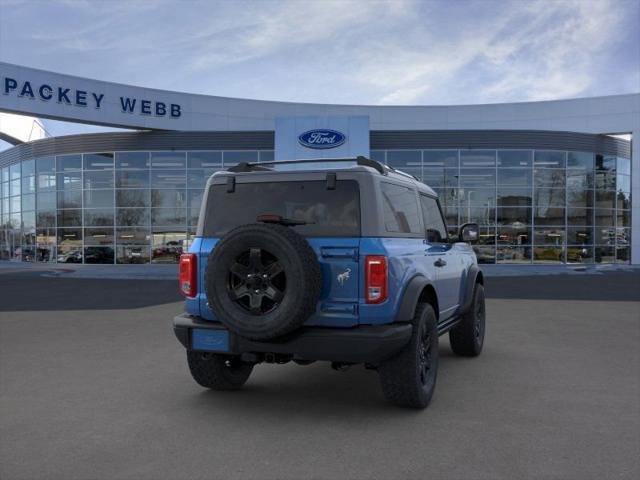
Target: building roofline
<point x="264" y="140"/>
<point x="619" y="113"/>
<point x="316" y="104"/>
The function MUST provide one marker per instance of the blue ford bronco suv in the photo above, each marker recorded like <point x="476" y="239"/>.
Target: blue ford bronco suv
<point x="343" y="260"/>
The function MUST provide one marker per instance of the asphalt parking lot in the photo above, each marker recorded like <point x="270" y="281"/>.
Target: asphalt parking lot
<point x="93" y="385"/>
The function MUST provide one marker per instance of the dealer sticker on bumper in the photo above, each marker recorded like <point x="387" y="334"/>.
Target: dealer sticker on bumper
<point x="211" y="340"/>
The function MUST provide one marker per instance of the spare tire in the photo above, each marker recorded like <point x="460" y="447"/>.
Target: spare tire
<point x="263" y="280"/>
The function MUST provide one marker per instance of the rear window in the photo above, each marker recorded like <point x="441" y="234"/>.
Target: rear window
<point x="328" y="213"/>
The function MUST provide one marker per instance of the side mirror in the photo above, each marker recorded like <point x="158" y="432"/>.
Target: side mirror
<point x="469" y="232"/>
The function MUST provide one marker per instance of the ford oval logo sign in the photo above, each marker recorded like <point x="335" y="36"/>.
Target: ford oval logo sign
<point x="322" y="138"/>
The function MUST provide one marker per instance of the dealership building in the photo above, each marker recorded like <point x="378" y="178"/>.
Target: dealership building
<point x="548" y="182"/>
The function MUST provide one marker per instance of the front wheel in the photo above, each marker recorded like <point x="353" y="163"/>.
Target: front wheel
<point x="467" y="338"/>
<point x="409" y="378"/>
<point x="218" y="372"/>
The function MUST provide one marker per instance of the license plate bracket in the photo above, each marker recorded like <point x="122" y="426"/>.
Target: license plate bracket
<point x="210" y="340"/>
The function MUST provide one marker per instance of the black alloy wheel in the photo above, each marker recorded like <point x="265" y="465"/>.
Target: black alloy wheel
<point x="424" y="356"/>
<point x="257" y="281"/>
<point x="479" y="322"/>
<point x="262" y="281"/>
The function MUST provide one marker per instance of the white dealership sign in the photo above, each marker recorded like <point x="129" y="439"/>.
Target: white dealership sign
<point x="321" y="137"/>
<point x="53" y="95"/>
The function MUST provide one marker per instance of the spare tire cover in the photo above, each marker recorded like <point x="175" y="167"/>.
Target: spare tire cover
<point x="263" y="280"/>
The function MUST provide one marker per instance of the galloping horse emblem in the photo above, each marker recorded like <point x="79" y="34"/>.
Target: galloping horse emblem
<point x="344" y="276"/>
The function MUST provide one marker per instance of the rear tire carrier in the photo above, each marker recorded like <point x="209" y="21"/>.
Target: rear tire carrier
<point x="263" y="280"/>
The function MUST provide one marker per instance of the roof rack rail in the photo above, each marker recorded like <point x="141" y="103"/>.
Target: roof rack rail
<point x="262" y="166"/>
<point x="248" y="167"/>
<point x="367" y="162"/>
<point x="404" y="174"/>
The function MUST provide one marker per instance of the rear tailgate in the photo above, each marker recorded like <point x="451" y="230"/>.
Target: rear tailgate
<point x="338" y="305"/>
<point x="338" y="257"/>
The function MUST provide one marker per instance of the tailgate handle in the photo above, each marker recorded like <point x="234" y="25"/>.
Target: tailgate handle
<point x="344" y="308"/>
<point x="338" y="252"/>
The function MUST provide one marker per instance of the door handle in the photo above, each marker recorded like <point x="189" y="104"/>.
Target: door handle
<point x="440" y="263"/>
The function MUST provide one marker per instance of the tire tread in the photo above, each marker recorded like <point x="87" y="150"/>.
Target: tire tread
<point x="462" y="336"/>
<point x="398" y="375"/>
<point x="213" y="373"/>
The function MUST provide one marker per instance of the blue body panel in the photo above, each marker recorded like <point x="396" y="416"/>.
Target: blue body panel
<point x="343" y="277"/>
<point x="403" y="256"/>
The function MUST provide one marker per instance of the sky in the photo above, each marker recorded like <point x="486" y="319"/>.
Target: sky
<point x="396" y="52"/>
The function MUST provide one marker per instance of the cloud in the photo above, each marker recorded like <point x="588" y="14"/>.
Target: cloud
<point x="553" y="55"/>
<point x="267" y="31"/>
<point x="404" y="95"/>
<point x="533" y="51"/>
<point x="338" y="51"/>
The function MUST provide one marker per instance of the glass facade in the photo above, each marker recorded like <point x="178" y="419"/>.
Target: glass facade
<point x="540" y="206"/>
<point x="107" y="207"/>
<point x="533" y="206"/>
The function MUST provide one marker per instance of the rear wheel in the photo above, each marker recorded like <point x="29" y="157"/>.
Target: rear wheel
<point x="218" y="372"/>
<point x="409" y="378"/>
<point x="467" y="338"/>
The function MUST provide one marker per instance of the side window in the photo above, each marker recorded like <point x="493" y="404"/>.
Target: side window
<point x="400" y="207"/>
<point x="436" y="231"/>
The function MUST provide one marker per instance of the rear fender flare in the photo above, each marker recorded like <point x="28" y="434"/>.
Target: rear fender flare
<point x="410" y="298"/>
<point x="474" y="275"/>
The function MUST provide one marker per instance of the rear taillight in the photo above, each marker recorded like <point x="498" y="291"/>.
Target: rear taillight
<point x="188" y="272"/>
<point x="376" y="279"/>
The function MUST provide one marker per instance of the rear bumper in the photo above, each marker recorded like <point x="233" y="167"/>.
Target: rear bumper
<point x="363" y="344"/>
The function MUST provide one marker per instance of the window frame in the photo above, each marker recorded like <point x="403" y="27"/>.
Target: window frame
<point x="385" y="232"/>
<point x="447" y="240"/>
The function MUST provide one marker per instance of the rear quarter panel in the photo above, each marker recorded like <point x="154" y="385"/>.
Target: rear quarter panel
<point x="405" y="261"/>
